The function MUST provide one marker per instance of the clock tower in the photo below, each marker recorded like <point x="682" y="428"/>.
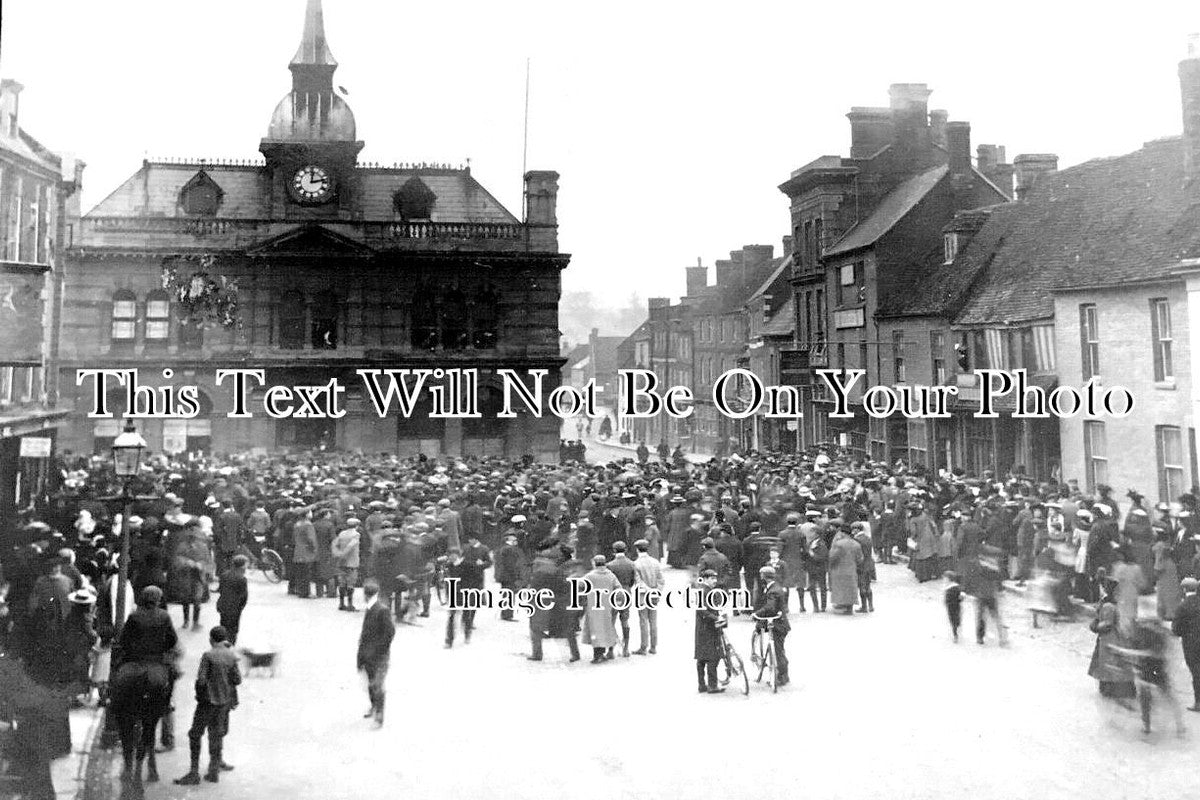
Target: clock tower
<point x="311" y="147"/>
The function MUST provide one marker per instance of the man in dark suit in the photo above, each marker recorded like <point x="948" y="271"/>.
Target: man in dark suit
<point x="1186" y="625"/>
<point x="228" y="530"/>
<point x="374" y="649"/>
<point x="773" y="602"/>
<point x="234" y="594"/>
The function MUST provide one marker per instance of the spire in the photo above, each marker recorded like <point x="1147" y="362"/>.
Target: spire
<point x="313" y="65"/>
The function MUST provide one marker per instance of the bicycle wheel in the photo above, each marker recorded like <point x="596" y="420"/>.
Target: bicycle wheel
<point x="271" y="564"/>
<point x="443" y="591"/>
<point x="736" y="667"/>
<point x="772" y="668"/>
<point x="756" y="648"/>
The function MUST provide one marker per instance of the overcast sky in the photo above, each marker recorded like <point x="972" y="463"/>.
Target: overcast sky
<point x="671" y="124"/>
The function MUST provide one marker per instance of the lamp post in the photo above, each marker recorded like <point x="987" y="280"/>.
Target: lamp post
<point x="127" y="457"/>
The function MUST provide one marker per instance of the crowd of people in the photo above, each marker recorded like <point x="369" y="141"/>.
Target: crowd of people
<point x="391" y="528"/>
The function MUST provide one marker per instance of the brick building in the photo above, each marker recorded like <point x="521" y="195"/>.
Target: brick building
<point x="867" y="228"/>
<point x="634" y="353"/>
<point x="39" y="214"/>
<point x="339" y="265"/>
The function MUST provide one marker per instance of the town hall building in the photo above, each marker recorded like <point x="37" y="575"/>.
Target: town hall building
<point x="311" y="265"/>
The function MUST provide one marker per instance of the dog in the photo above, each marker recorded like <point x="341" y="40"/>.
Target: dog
<point x="260" y="659"/>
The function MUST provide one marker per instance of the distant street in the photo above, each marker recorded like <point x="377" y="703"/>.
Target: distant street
<point x="920" y="715"/>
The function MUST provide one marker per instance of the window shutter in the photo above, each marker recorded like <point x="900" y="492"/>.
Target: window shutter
<point x="1155" y="334"/>
<point x="1160" y="455"/>
<point x="1084" y="350"/>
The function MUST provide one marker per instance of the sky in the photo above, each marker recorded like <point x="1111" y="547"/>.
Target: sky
<point x="671" y="124"/>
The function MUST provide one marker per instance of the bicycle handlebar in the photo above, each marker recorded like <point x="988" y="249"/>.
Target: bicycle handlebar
<point x="766" y="619"/>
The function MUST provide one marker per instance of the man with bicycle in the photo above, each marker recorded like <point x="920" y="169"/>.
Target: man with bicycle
<point x="708" y="635"/>
<point x="772" y="602"/>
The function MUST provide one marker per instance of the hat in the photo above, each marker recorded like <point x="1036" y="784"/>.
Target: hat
<point x="444" y="502"/>
<point x="1101" y="508"/>
<point x="518" y="518"/>
<point x="618" y="547"/>
<point x="134" y="519"/>
<point x="676" y="499"/>
<point x="642" y="544"/>
<point x="83" y="597"/>
<point x="597" y="560"/>
<point x="812" y="513"/>
<point x="793" y="518"/>
<point x="707" y="541"/>
<point x="1189" y="584"/>
<point x="708" y="573"/>
<point x="353" y="521"/>
<point x="767" y="571"/>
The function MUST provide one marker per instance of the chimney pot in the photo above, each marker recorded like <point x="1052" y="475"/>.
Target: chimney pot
<point x="1189" y="90"/>
<point x="937" y="126"/>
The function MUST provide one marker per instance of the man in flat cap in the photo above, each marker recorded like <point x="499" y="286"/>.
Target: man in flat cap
<point x="772" y="604"/>
<point x="708" y="636"/>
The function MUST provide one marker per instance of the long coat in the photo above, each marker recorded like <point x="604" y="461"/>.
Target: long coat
<point x="1105" y="665"/>
<point x="677" y="530"/>
<point x="708" y="638"/>
<point x="844" y="557"/>
<point x="554" y="622"/>
<point x="794" y="549"/>
<point x="599" y="627"/>
<point x="304" y="541"/>
<point x="1166" y="580"/>
<point x="191" y="563"/>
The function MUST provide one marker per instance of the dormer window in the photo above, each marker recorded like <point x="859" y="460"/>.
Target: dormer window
<point x="950" y="245"/>
<point x="201" y="196"/>
<point x="414" y="201"/>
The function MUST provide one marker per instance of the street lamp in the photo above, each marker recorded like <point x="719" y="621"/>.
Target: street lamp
<point x="127" y="456"/>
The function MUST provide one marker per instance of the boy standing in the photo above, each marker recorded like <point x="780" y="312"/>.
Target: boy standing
<point x="216" y="695"/>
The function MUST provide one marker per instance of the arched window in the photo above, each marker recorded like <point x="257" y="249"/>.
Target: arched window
<point x="291" y="321"/>
<point x="486" y="318"/>
<point x="124" y="317"/>
<point x="325" y="321"/>
<point x="424" y="320"/>
<point x="455" y="333"/>
<point x="158" y="318"/>
<point x="201" y="195"/>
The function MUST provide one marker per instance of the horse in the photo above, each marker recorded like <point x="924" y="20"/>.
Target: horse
<point x="140" y="695"/>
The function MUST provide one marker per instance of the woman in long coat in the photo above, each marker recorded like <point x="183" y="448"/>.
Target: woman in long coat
<point x="845" y="556"/>
<point x="1130" y="581"/>
<point x="1109" y="670"/>
<point x="187" y="577"/>
<point x="1140" y="535"/>
<point x="1166" y="576"/>
<point x="599" y="626"/>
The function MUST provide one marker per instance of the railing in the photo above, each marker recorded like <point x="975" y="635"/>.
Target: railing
<point x="445" y="230"/>
<point x="387" y="231"/>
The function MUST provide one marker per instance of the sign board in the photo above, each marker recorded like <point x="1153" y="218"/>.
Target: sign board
<point x="35" y="447"/>
<point x="793" y="424"/>
<point x="843" y="440"/>
<point x="850" y="318"/>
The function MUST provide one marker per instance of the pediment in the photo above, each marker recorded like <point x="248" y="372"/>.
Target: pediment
<point x="310" y="241"/>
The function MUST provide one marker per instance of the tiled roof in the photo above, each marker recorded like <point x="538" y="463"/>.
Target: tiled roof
<point x="945" y="287"/>
<point x="1105" y="222"/>
<point x="890" y="210"/>
<point x="153" y="191"/>
<point x="783" y="322"/>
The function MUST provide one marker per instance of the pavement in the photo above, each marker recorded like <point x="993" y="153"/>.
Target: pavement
<point x="880" y="705"/>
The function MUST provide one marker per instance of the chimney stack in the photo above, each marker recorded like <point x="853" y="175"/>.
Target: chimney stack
<point x="871" y="130"/>
<point x="958" y="143"/>
<point x="10" y="101"/>
<point x="910" y="110"/>
<point x="1189" y="85"/>
<point x="697" y="279"/>
<point x="1029" y="169"/>
<point x="937" y="126"/>
<point x="990" y="161"/>
<point x="787" y="245"/>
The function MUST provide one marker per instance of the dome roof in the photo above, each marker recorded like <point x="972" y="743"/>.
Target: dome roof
<point x="312" y="116"/>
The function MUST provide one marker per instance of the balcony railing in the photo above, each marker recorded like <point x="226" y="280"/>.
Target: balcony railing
<point x="504" y="231"/>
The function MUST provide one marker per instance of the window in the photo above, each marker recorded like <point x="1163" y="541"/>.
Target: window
<point x="820" y="318"/>
<point x="414" y="200"/>
<point x="807" y="332"/>
<point x="158" y="318"/>
<point x="487" y="316"/>
<point x="1160" y="335"/>
<point x="1089" y="338"/>
<point x="324" y="329"/>
<point x="455" y="335"/>
<point x="898" y="354"/>
<point x="6" y="385"/>
<point x="391" y="323"/>
<point x="950" y="246"/>
<point x="918" y="441"/>
<point x="291" y="321"/>
<point x="201" y="195"/>
<point x="817" y="230"/>
<point x="937" y="352"/>
<point x="424" y="321"/>
<point x="124" y="317"/>
<point x="808" y="242"/>
<point x="12" y="251"/>
<point x="1169" y="444"/>
<point x="962" y="351"/>
<point x="877" y="435"/>
<point x="1095" y="454"/>
<point x="851" y="283"/>
<point x="24" y="383"/>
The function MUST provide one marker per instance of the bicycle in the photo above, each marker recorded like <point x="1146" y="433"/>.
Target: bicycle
<point x="762" y="650"/>
<point x="731" y="665"/>
<point x="266" y="561"/>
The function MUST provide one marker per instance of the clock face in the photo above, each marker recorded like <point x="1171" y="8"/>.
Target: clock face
<point x="313" y="184"/>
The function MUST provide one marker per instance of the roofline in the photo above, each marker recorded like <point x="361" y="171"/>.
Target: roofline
<point x="1020" y="323"/>
<point x="1084" y="287"/>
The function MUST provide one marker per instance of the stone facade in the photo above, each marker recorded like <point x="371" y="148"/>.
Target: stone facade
<point x="338" y="266"/>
